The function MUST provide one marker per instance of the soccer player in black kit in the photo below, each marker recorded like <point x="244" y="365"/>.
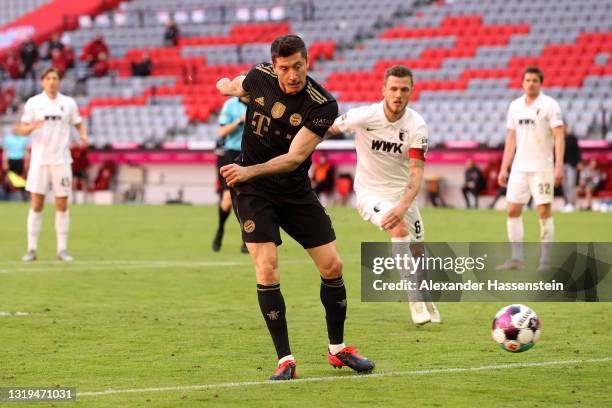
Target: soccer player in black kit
<point x="288" y="114"/>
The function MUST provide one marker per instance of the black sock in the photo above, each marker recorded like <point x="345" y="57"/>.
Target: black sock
<point x="272" y="307"/>
<point x="222" y="218"/>
<point x="333" y="297"/>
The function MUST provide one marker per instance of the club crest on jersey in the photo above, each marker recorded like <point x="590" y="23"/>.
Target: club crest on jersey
<point x="278" y="109"/>
<point x="403" y="134"/>
<point x="295" y="119"/>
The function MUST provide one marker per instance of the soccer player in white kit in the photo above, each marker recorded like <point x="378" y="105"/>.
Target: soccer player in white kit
<point x="535" y="127"/>
<point x="47" y="118"/>
<point x="391" y="142"/>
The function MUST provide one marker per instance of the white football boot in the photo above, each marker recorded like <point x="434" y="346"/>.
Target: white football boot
<point x="433" y="312"/>
<point x="63" y="256"/>
<point x="420" y="315"/>
<point x="30" y="256"/>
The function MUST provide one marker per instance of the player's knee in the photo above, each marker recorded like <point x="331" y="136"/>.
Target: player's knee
<point x="332" y="269"/>
<point x="400" y="230"/>
<point x="37" y="207"/>
<point x="514" y="211"/>
<point x="226" y="205"/>
<point x="61" y="206"/>
<point x="267" y="273"/>
<point x="226" y="201"/>
<point x="544" y="212"/>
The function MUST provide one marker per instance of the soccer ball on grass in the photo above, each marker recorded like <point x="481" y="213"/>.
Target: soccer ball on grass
<point x="516" y="328"/>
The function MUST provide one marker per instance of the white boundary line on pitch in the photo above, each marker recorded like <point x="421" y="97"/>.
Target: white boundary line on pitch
<point x="344" y="377"/>
<point x="79" y="266"/>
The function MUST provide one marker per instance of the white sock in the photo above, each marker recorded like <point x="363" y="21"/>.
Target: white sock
<point x="286" y="358"/>
<point x="547" y="230"/>
<point x="395" y="248"/>
<point x="515" y="236"/>
<point x="62" y="225"/>
<point x="34" y="226"/>
<point x="407" y="274"/>
<point x="547" y="236"/>
<point x="336" y="348"/>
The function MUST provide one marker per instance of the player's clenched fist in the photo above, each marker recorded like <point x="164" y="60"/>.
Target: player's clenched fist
<point x="234" y="174"/>
<point x="224" y="85"/>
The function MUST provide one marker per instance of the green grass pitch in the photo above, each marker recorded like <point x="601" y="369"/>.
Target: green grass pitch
<point x="148" y="305"/>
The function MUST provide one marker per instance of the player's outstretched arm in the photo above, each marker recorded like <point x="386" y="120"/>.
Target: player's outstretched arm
<point x="509" y="149"/>
<point x="231" y="87"/>
<point x="395" y="215"/>
<point x="559" y="133"/>
<point x="334" y="130"/>
<point x="301" y="147"/>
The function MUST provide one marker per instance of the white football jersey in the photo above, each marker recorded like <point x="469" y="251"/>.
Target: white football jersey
<point x="51" y="141"/>
<point x="533" y="125"/>
<point x="383" y="147"/>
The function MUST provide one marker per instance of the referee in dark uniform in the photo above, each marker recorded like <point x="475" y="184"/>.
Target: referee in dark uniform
<point x="287" y="116"/>
<point x="231" y="121"/>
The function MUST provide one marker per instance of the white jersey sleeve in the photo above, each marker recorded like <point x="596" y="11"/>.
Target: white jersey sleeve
<point x="75" y="117"/>
<point x="510" y="121"/>
<point x="419" y="138"/>
<point x="554" y="116"/>
<point x="353" y="119"/>
<point x="28" y="112"/>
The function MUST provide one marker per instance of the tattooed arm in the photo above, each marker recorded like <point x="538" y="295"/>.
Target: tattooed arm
<point x="395" y="215"/>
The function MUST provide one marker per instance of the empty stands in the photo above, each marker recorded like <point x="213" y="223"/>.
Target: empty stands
<point x="467" y="57"/>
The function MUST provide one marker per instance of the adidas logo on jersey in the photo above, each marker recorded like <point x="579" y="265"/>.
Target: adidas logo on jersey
<point x="389" y="147"/>
<point x="260" y="101"/>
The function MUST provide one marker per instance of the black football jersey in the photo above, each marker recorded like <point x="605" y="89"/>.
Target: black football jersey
<point x="273" y="119"/>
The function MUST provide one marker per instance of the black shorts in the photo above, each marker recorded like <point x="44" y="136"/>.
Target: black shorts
<point x="226" y="158"/>
<point x="262" y="214"/>
<point x="79" y="174"/>
<point x="16" y="166"/>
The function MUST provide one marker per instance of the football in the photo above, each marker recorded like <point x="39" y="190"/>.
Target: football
<point x="516" y="328"/>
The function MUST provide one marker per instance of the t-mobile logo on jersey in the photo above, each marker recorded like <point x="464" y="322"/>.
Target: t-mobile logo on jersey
<point x="389" y="147"/>
<point x="260" y="123"/>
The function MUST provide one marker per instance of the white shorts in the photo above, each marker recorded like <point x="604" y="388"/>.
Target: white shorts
<point x="58" y="177"/>
<point x="373" y="208"/>
<point x="523" y="184"/>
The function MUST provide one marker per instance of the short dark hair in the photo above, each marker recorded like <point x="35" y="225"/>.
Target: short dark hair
<point x="48" y="71"/>
<point x="399" y="71"/>
<point x="287" y="45"/>
<point x="534" y="70"/>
